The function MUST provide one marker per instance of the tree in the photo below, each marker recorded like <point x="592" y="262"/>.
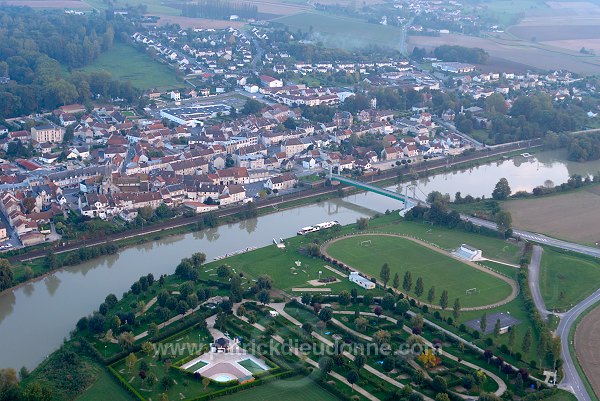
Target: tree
<point x="389" y="364"/>
<point x="526" y="345"/>
<point x="502" y="190"/>
<point x="326" y="365"/>
<point x="503" y="222"/>
<point x="396" y="282"/>
<point x="384" y="274"/>
<point x="35" y="392"/>
<point x="419" y="287"/>
<point x="147" y="348"/>
<point x="444" y="300"/>
<point x="442" y="397"/>
<point x="511" y="338"/>
<point x="417" y="321"/>
<point x="50" y="261"/>
<point x="352" y="378"/>
<point x="402" y="306"/>
<point x="497" y="328"/>
<point x="130" y="361"/>
<point x="456" y="309"/>
<point x="153" y="329"/>
<point x="362" y="223"/>
<point x="344" y="298"/>
<point x="307" y="328"/>
<point x="388" y="301"/>
<point x="111" y="300"/>
<point x="359" y="361"/>
<point x="6" y="275"/>
<point x="483" y="323"/>
<point x="306" y="298"/>
<point x="325" y="314"/>
<point x="407" y="282"/>
<point x="251" y="106"/>
<point x="126" y="340"/>
<point x="361" y="324"/>
<point x="431" y="294"/>
<point x="381" y="337"/>
<point x="439" y="384"/>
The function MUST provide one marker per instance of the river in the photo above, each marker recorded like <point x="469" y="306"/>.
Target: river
<point x="35" y="318"/>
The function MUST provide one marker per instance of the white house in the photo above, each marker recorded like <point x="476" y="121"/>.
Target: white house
<point x="355" y="277"/>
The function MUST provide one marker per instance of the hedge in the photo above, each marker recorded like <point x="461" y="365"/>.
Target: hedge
<point x="125" y="384"/>
<point x="240" y="387"/>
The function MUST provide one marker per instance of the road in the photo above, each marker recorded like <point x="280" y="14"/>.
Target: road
<point x="571" y="380"/>
<point x="534" y="281"/>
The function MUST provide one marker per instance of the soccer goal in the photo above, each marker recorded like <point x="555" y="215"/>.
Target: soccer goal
<point x="472" y="291"/>
<point x="365" y="242"/>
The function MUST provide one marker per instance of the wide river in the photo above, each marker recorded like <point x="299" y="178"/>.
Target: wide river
<point x="35" y="318"/>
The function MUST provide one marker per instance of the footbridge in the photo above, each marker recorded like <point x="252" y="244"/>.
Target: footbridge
<point x="405" y="198"/>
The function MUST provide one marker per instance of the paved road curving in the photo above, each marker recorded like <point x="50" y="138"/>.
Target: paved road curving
<point x="513" y="285"/>
<point x="534" y="281"/>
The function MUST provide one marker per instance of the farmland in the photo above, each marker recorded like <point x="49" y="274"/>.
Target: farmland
<point x="563" y="287"/>
<point x="572" y="216"/>
<point x="508" y="49"/>
<point x="436" y="269"/>
<point x="125" y="62"/>
<point x="343" y="32"/>
<point x="587" y="336"/>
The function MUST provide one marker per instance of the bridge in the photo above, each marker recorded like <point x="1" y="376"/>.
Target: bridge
<point x="372" y="188"/>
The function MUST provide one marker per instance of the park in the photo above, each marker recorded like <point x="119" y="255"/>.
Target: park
<point x="193" y="335"/>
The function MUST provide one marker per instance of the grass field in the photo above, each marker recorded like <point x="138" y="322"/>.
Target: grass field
<point x="343" y="32"/>
<point x="105" y="388"/>
<point x="566" y="278"/>
<point x="402" y="255"/>
<point x="127" y="63"/>
<point x="572" y="216"/>
<point x="284" y="390"/>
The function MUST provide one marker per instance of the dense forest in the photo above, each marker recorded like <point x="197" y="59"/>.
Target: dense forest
<point x="39" y="49"/>
<point x="219" y="9"/>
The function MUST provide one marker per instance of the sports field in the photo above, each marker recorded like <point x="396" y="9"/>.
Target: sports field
<point x="435" y="268"/>
<point x="284" y="390"/>
<point x="127" y="63"/>
<point x="347" y="33"/>
<point x="566" y="279"/>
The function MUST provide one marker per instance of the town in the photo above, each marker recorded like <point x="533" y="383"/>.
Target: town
<point x="246" y="131"/>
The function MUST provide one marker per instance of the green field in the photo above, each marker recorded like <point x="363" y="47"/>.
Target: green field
<point x="129" y="64"/>
<point x="347" y="33"/>
<point x="566" y="279"/>
<point x="284" y="390"/>
<point x="105" y="388"/>
<point x="436" y="269"/>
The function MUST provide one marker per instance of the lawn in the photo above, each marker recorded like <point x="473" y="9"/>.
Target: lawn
<point x="127" y="63"/>
<point x="348" y="33"/>
<point x="436" y="269"/>
<point x="281" y="265"/>
<point x="105" y="388"/>
<point x="566" y="278"/>
<point x="293" y="389"/>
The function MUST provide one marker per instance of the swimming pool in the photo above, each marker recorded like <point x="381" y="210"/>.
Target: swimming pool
<point x="223" y="377"/>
